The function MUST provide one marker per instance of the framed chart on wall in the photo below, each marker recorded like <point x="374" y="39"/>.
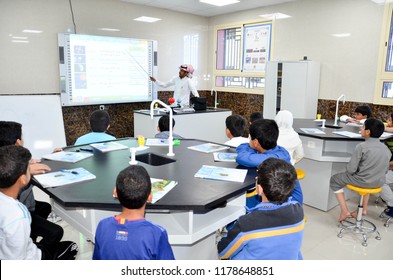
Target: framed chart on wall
<point x="256" y="47"/>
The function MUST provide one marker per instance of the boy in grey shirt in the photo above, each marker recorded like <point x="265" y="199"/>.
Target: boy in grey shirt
<point x="366" y="169"/>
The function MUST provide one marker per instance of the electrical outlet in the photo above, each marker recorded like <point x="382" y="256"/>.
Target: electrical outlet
<point x="102" y="107"/>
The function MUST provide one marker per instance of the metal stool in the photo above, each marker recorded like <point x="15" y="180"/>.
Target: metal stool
<point x="360" y="226"/>
<point x="384" y="216"/>
<point x="300" y="173"/>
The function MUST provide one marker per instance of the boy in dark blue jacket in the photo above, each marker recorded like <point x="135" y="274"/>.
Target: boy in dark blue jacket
<point x="263" y="145"/>
<point x="273" y="230"/>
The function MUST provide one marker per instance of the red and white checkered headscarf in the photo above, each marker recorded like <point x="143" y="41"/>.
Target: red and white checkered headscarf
<point x="188" y="68"/>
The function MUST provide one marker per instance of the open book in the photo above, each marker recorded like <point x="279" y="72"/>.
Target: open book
<point x="228" y="157"/>
<point x="160" y="187"/>
<point x="68" y="156"/>
<point x="157" y="142"/>
<point x="348" y="134"/>
<point x="208" y="148"/>
<point x="312" y="131"/>
<point x="221" y="173"/>
<point x="108" y="146"/>
<point x="64" y="177"/>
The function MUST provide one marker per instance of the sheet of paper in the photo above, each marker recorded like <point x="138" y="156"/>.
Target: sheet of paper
<point x="221" y="173"/>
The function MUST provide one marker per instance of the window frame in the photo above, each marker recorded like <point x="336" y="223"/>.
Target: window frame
<point x="384" y="76"/>
<point x="239" y="72"/>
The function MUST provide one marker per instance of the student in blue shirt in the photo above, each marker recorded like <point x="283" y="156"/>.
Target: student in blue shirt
<point x="263" y="145"/>
<point x="99" y="123"/>
<point x="128" y="235"/>
<point x="273" y="230"/>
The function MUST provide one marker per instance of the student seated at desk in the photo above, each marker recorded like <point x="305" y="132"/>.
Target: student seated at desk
<point x="15" y="219"/>
<point x="128" y="236"/>
<point x="288" y="137"/>
<point x="366" y="168"/>
<point x="99" y="124"/>
<point x="163" y="128"/>
<point x="387" y="191"/>
<point x="235" y="127"/>
<point x="273" y="230"/>
<point x="263" y="145"/>
<point x="50" y="233"/>
<point x="362" y="113"/>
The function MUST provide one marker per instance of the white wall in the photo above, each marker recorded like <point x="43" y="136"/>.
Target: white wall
<point x="348" y="65"/>
<point x="33" y="67"/>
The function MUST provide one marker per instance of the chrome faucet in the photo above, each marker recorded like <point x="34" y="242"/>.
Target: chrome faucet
<point x="215" y="98"/>
<point x="170" y="138"/>
<point x="342" y="97"/>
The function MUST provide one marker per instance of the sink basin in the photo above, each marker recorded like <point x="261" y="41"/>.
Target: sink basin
<point x="153" y="159"/>
<point x="332" y="126"/>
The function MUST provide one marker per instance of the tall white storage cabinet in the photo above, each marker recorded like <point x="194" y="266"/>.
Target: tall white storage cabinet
<point x="292" y="86"/>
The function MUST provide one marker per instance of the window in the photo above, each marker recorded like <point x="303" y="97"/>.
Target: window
<point x="384" y="84"/>
<point x="242" y="51"/>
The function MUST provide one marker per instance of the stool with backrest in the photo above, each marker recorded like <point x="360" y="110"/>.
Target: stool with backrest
<point x="360" y="226"/>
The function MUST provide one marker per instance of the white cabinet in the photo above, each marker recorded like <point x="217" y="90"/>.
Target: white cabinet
<point x="292" y="86"/>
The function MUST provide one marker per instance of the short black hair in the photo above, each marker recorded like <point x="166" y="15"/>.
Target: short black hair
<point x="163" y="123"/>
<point x="256" y="116"/>
<point x="364" y="110"/>
<point x="14" y="161"/>
<point x="236" y="125"/>
<point x="266" y="131"/>
<point x="133" y="186"/>
<point x="99" y="121"/>
<point x="375" y="126"/>
<point x="10" y="132"/>
<point x="277" y="178"/>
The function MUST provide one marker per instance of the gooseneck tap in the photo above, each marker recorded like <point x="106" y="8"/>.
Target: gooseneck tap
<point x="215" y="98"/>
<point x="170" y="138"/>
<point x="342" y="97"/>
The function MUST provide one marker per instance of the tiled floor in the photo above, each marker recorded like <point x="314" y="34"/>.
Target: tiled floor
<point x="320" y="240"/>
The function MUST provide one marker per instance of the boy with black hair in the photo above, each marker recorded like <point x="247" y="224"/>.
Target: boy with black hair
<point x="255" y="116"/>
<point x="51" y="233"/>
<point x="366" y="168"/>
<point x="273" y="229"/>
<point x="15" y="219"/>
<point x="99" y="124"/>
<point x="362" y="113"/>
<point x="15" y="241"/>
<point x="235" y="128"/>
<point x="128" y="236"/>
<point x="263" y="145"/>
<point x="163" y="128"/>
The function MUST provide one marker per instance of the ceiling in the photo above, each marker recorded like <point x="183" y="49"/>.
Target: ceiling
<point x="201" y="9"/>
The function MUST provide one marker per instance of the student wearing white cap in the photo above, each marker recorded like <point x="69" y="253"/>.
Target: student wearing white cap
<point x="183" y="85"/>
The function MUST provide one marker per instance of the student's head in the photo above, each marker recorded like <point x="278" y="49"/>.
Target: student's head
<point x="256" y="116"/>
<point x="133" y="187"/>
<point x="265" y="133"/>
<point x="99" y="121"/>
<point x="163" y="123"/>
<point x="10" y="133"/>
<point x="390" y="120"/>
<point x="277" y="179"/>
<point x="373" y="128"/>
<point x="186" y="70"/>
<point x="284" y="119"/>
<point x="14" y="163"/>
<point x="236" y="125"/>
<point x="362" y="112"/>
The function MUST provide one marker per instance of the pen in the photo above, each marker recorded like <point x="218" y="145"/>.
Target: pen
<point x="87" y="150"/>
<point x="69" y="171"/>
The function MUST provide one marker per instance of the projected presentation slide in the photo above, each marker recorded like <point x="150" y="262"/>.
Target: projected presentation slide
<point x="108" y="70"/>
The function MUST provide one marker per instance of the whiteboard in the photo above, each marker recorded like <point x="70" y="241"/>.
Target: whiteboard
<point x="41" y="118"/>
